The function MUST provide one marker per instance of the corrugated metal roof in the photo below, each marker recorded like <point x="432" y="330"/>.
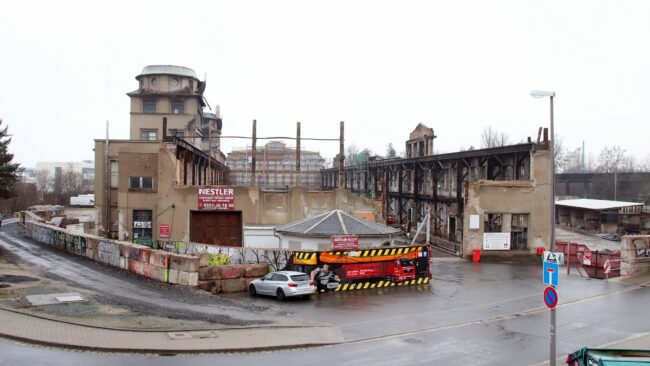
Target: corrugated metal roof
<point x="591" y="204"/>
<point x="336" y="222"/>
<point x="168" y="70"/>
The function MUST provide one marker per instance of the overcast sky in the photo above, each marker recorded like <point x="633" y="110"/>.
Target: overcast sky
<point x="382" y="67"/>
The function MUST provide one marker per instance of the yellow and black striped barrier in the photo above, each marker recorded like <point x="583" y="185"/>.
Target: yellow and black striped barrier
<point x="379" y="284"/>
<point x="305" y="258"/>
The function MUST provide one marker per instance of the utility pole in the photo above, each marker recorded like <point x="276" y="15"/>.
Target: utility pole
<point x="107" y="199"/>
<point x="254" y="151"/>
<point x="341" y="156"/>
<point x="297" y="154"/>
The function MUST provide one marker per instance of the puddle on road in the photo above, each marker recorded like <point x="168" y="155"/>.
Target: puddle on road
<point x="17" y="279"/>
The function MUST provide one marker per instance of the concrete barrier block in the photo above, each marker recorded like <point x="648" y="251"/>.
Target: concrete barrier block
<point x="134" y="254"/>
<point x="204" y="260"/>
<point x="159" y="274"/>
<point x="123" y="263"/>
<point x="149" y="270"/>
<point x="255" y="270"/>
<point x="136" y="266"/>
<point x="173" y="276"/>
<point x="232" y="271"/>
<point x="184" y="263"/>
<point x="188" y="278"/>
<point x="91" y="253"/>
<point x="109" y="247"/>
<point x="216" y="287"/>
<point x="210" y="273"/>
<point x="233" y="285"/>
<point x="157" y="258"/>
<point x="109" y="258"/>
<point x="144" y="255"/>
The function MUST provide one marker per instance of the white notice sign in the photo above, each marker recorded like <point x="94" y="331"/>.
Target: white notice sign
<point x="496" y="241"/>
<point x="474" y="221"/>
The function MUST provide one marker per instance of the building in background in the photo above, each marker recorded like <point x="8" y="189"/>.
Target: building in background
<point x="276" y="167"/>
<point x="56" y="171"/>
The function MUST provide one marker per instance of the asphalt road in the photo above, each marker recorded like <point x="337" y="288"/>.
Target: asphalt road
<point x="478" y="314"/>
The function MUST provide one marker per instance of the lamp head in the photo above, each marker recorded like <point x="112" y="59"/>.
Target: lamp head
<point x="542" y="94"/>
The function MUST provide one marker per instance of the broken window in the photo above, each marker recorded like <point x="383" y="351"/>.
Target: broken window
<point x="493" y="223"/>
<point x="149" y="106"/>
<point x="140" y="182"/>
<point x="519" y="231"/>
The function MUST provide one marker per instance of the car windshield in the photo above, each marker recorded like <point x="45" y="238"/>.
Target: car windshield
<point x="300" y="277"/>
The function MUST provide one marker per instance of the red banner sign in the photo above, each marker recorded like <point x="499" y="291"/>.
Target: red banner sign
<point x="345" y="242"/>
<point x="164" y="231"/>
<point x="216" y="198"/>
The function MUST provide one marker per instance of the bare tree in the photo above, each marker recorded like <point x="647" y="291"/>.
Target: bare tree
<point x="611" y="160"/>
<point x="390" y="151"/>
<point x="44" y="184"/>
<point x="351" y="154"/>
<point x="644" y="166"/>
<point x="71" y="184"/>
<point x="491" y="137"/>
<point x="559" y="154"/>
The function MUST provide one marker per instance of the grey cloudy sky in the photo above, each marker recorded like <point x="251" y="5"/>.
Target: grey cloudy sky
<point x="380" y="66"/>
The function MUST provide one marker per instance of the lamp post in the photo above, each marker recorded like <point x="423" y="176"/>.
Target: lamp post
<point x="551" y="95"/>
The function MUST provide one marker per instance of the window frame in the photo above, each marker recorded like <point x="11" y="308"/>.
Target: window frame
<point x="181" y="110"/>
<point x="114" y="173"/>
<point x="148" y="101"/>
<point x="140" y="181"/>
<point x="148" y="130"/>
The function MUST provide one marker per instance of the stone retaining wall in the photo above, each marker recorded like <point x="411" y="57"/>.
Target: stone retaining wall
<point x="155" y="264"/>
<point x="230" y="278"/>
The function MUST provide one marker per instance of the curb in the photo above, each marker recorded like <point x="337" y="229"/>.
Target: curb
<point x="34" y="330"/>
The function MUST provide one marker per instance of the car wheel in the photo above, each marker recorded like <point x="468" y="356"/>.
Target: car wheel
<point x="252" y="290"/>
<point x="280" y="294"/>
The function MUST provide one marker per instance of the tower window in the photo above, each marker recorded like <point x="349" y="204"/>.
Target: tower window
<point x="149" y="106"/>
<point x="154" y="81"/>
<point x="174" y="82"/>
<point x="178" y="106"/>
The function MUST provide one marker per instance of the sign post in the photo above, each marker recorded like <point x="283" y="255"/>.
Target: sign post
<point x="550" y="276"/>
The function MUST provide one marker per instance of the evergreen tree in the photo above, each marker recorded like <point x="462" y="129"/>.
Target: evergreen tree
<point x="8" y="171"/>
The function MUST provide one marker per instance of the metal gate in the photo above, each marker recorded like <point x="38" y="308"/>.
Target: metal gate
<point x="223" y="228"/>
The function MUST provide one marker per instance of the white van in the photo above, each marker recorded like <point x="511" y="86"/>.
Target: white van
<point x="83" y="200"/>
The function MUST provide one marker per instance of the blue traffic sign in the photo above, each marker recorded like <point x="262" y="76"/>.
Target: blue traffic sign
<point x="550" y="273"/>
<point x="550" y="297"/>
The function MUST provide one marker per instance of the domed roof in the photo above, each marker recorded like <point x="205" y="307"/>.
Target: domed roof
<point x="167" y="70"/>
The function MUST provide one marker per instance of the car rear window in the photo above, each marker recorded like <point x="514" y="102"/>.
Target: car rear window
<point x="298" y="278"/>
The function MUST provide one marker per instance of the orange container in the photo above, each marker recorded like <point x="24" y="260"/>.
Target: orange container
<point x="476" y="255"/>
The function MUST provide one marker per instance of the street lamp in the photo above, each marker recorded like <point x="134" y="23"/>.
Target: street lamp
<point x="551" y="95"/>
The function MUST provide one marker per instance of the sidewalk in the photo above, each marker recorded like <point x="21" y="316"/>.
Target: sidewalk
<point x="31" y="329"/>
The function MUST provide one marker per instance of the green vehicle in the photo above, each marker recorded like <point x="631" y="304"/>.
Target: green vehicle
<point x="609" y="357"/>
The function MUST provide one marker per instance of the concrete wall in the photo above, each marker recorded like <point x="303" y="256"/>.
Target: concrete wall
<point x="635" y="255"/>
<point x="530" y="197"/>
<point x="155" y="264"/>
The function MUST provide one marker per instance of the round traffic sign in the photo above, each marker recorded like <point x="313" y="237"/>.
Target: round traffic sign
<point x="550" y="297"/>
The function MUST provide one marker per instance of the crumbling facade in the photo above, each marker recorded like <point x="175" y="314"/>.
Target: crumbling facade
<point x="503" y="192"/>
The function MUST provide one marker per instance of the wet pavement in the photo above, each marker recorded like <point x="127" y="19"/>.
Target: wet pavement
<point x="479" y="314"/>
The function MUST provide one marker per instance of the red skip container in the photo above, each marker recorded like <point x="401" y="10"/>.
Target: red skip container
<point x="476" y="255"/>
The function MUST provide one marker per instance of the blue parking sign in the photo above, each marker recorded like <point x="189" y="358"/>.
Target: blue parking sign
<point x="551" y="273"/>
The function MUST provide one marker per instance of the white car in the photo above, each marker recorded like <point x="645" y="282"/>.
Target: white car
<point x="283" y="284"/>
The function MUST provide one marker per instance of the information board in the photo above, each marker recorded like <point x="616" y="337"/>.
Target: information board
<point x="496" y="241"/>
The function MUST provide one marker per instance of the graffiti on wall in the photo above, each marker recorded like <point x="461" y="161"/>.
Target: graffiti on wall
<point x="641" y="247"/>
<point x="70" y="242"/>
